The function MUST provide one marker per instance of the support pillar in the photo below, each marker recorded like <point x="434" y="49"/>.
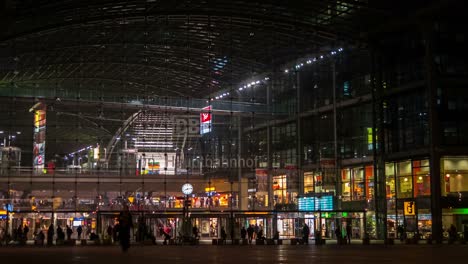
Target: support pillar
<point x="434" y="135"/>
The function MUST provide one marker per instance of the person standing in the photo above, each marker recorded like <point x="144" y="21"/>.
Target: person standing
<point x="79" y="230"/>
<point x="305" y="234"/>
<point x="243" y="232"/>
<point x="223" y="234"/>
<point x="109" y="231"/>
<point x="349" y="232"/>
<point x="19" y="234"/>
<point x="69" y="232"/>
<point x="125" y="222"/>
<point x="256" y="229"/>
<point x="338" y="235"/>
<point x="195" y="232"/>
<point x="25" y="232"/>
<point x="250" y="232"/>
<point x="50" y="235"/>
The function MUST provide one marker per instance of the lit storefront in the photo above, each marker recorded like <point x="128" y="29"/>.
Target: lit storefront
<point x="408" y="198"/>
<point x="454" y="187"/>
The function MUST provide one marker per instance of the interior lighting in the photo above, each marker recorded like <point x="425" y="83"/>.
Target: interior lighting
<point x="257" y="82"/>
<point x="406" y="179"/>
<point x="447" y="175"/>
<point x="286" y="71"/>
<point x="217" y="97"/>
<point x="321" y="56"/>
<point x="308" y="61"/>
<point x="240" y="89"/>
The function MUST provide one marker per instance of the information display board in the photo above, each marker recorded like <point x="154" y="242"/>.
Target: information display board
<point x="324" y="203"/>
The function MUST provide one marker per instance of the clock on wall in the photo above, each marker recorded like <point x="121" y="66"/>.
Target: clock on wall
<point x="187" y="189"/>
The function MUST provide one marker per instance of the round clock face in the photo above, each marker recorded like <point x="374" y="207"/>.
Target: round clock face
<point x="187" y="188"/>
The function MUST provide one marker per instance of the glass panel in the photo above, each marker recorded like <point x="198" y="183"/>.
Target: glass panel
<point x="404" y="180"/>
<point x="390" y="179"/>
<point x="346" y="184"/>
<point x="308" y="182"/>
<point x="358" y="184"/>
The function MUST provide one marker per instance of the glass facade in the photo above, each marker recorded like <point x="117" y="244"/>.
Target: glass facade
<point x="377" y="130"/>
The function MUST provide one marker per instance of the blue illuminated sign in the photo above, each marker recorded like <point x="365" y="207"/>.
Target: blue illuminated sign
<point x="324" y="203"/>
<point x="8" y="207"/>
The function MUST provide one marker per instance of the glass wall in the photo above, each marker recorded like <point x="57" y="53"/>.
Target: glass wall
<point x="455" y="175"/>
<point x="408" y="181"/>
<point x="357" y="183"/>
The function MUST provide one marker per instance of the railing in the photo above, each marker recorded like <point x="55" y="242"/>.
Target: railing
<point x="174" y="103"/>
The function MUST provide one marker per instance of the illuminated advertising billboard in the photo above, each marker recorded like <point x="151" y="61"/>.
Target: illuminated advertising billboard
<point x="39" y="139"/>
<point x="205" y="120"/>
<point x="156" y="163"/>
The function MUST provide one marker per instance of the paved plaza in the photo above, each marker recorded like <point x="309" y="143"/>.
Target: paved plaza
<point x="239" y="254"/>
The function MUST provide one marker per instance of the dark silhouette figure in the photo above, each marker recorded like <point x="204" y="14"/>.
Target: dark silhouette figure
<point x="109" y="231"/>
<point x="60" y="235"/>
<point x="115" y="233"/>
<point x="50" y="235"/>
<point x="25" y="232"/>
<point x="223" y="234"/>
<point x="401" y="232"/>
<point x="40" y="237"/>
<point x="305" y="234"/>
<point x="69" y="232"/>
<point x="338" y="235"/>
<point x="243" y="233"/>
<point x="195" y="232"/>
<point x="19" y="234"/>
<point x="250" y="231"/>
<point x="79" y="230"/>
<point x="276" y="236"/>
<point x="349" y="232"/>
<point x="125" y="223"/>
<point x="452" y="234"/>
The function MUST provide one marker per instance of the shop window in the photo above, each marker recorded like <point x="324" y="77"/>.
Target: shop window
<point x="358" y="184"/>
<point x="421" y="178"/>
<point x="390" y="180"/>
<point x="346" y="184"/>
<point x="308" y="182"/>
<point x="404" y="180"/>
<point x="455" y="171"/>
<point x="369" y="182"/>
<point x="279" y="188"/>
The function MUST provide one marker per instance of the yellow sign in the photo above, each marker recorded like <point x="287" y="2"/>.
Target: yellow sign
<point x="3" y="212"/>
<point x="210" y="189"/>
<point x="410" y="208"/>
